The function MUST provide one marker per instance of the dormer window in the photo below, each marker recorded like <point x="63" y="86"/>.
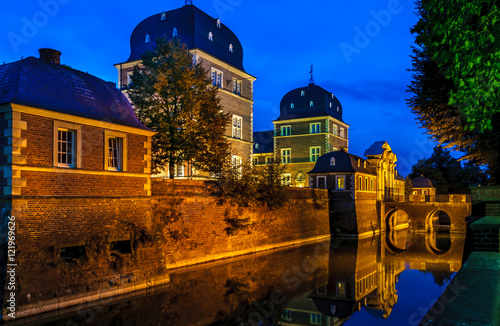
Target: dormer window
<point x="332" y="95"/>
<point x="292" y="106"/>
<point x="163" y="16"/>
<point x="359" y="162"/>
<point x="210" y="36"/>
<point x="147" y="39"/>
<point x="218" y="23"/>
<point x="332" y="161"/>
<point x="174" y="32"/>
<point x="364" y="164"/>
<point x="337" y="109"/>
<point x="311" y="103"/>
<point x="231" y="47"/>
<point x="330" y="104"/>
<point x="256" y="145"/>
<point x="302" y="93"/>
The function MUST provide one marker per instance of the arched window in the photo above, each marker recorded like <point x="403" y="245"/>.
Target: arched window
<point x="311" y="103"/>
<point x="210" y="36"/>
<point x="231" y="47"/>
<point x="218" y="23"/>
<point x="174" y="32"/>
<point x="292" y="106"/>
<point x="332" y="161"/>
<point x="163" y="16"/>
<point x="302" y="93"/>
<point x="148" y="39"/>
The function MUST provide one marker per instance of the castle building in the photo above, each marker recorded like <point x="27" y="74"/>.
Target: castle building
<point x="309" y="125"/>
<point x="219" y="51"/>
<point x="423" y="186"/>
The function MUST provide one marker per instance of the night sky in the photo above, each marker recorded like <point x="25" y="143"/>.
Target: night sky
<point x="360" y="51"/>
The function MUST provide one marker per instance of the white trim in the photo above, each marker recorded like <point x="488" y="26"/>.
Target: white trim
<point x="337" y="181"/>
<point x="317" y="181"/>
<point x="124" y="150"/>
<point x="77" y="144"/>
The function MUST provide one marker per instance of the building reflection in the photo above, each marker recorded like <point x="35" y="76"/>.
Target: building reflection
<point x="364" y="273"/>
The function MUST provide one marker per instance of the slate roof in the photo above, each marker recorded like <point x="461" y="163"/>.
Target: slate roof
<point x="421" y="182"/>
<point x="265" y="142"/>
<point x="376" y="149"/>
<point x="49" y="86"/>
<point x="344" y="162"/>
<point x="193" y="26"/>
<point x="321" y="99"/>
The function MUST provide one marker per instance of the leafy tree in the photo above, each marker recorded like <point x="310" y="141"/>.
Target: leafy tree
<point x="456" y="66"/>
<point x="174" y="97"/>
<point x="408" y="186"/>
<point x="446" y="173"/>
<point x="271" y="187"/>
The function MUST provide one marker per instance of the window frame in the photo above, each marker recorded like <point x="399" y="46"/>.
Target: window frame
<point x="312" y="129"/>
<point x="314" y="155"/>
<point x="238" y="127"/>
<point x="77" y="144"/>
<point x="286" y="130"/>
<point x="124" y="150"/>
<point x="337" y="177"/>
<point x="288" y="156"/>
<point x="215" y="74"/>
<point x="286" y="179"/>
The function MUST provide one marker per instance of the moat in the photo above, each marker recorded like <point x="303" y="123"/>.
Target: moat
<point x="390" y="279"/>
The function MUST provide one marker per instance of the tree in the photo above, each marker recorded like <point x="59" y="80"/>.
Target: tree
<point x="174" y="97"/>
<point x="456" y="65"/>
<point x="408" y="186"/>
<point x="446" y="173"/>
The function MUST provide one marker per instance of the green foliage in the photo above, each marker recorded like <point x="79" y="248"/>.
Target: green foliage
<point x="408" y="186"/>
<point x="447" y="174"/>
<point x="174" y="97"/>
<point x="456" y="66"/>
<point x="271" y="187"/>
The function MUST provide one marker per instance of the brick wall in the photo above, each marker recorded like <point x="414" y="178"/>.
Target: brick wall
<point x="485" y="201"/>
<point x="4" y="124"/>
<point x="40" y="140"/>
<point x="486" y="239"/>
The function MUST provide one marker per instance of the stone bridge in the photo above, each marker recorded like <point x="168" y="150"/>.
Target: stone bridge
<point x="422" y="213"/>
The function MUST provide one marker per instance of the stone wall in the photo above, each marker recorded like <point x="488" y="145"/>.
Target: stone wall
<point x="486" y="201"/>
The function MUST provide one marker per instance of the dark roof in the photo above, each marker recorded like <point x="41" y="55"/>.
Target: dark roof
<point x="193" y="26"/>
<point x="376" y="148"/>
<point x="421" y="182"/>
<point x="302" y="104"/>
<point x="264" y="142"/>
<point x="344" y="162"/>
<point x="49" y="86"/>
<point x="398" y="177"/>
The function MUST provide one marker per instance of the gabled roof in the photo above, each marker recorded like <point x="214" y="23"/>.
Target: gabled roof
<point x="44" y="85"/>
<point x="344" y="162"/>
<point x="192" y="26"/>
<point x="263" y="142"/>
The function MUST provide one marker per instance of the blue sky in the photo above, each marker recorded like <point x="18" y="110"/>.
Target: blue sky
<point x="360" y="51"/>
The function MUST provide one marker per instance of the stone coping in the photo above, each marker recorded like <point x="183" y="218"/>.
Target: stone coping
<point x="491" y="222"/>
<point x="472" y="297"/>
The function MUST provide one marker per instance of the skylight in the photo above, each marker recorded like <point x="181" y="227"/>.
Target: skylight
<point x="210" y="36"/>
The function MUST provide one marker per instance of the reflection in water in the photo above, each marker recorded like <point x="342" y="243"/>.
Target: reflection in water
<point x="363" y="275"/>
<point x="345" y="281"/>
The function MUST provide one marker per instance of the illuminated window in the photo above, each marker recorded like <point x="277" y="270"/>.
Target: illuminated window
<point x="314" y="153"/>
<point x="163" y="16"/>
<point x="340" y="182"/>
<point x="302" y="93"/>
<point x="218" y="23"/>
<point x="334" y="130"/>
<point x="286" y="130"/>
<point x="371" y="184"/>
<point x="292" y="106"/>
<point x="66" y="148"/>
<point x="174" y="32"/>
<point x="311" y="103"/>
<point x="286" y="179"/>
<point x="115" y="151"/>
<point x="366" y="183"/>
<point x="236" y="87"/>
<point x="147" y="39"/>
<point x="330" y="104"/>
<point x="286" y="155"/>
<point x="231" y="47"/>
<point x="342" y="133"/>
<point x="360" y="183"/>
<point x="341" y="289"/>
<point x="332" y="161"/>
<point x="216" y="77"/>
<point x="315" y="319"/>
<point x="178" y="170"/>
<point x="315" y="128"/>
<point x="210" y="36"/>
<point x="237" y="163"/>
<point x="237" y="127"/>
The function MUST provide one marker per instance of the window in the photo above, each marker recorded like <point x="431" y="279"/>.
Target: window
<point x="338" y="109"/>
<point x="286" y="315"/>
<point x="269" y="160"/>
<point x="286" y="130"/>
<point x="115" y="151"/>
<point x="70" y="253"/>
<point x="342" y="132"/>
<point x="237" y="126"/>
<point x="256" y="161"/>
<point x="218" y="23"/>
<point x="236" y="87"/>
<point x="285" y="155"/>
<point x="314" y="128"/>
<point x="360" y="183"/>
<point x="147" y="39"/>
<point x="334" y="130"/>
<point x="292" y="106"/>
<point x="179" y="170"/>
<point x="286" y="179"/>
<point x="174" y="32"/>
<point x="122" y="247"/>
<point x="321" y="290"/>
<point x="314" y="153"/>
<point x="332" y="161"/>
<point x="341" y="289"/>
<point x="231" y="47"/>
<point x="236" y="162"/>
<point x="67" y="144"/>
<point x="330" y="104"/>
<point x="366" y="183"/>
<point x="66" y="148"/>
<point x="371" y="184"/>
<point x="340" y="182"/>
<point x="315" y="319"/>
<point x="302" y="93"/>
<point x="210" y="36"/>
<point x="311" y="103"/>
<point x="163" y="16"/>
<point x="216" y="77"/>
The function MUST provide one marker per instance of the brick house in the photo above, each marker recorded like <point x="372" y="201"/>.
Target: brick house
<point x="219" y="51"/>
<point x="309" y="125"/>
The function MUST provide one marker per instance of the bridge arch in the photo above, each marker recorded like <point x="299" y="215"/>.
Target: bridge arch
<point x="438" y="220"/>
<point x="397" y="230"/>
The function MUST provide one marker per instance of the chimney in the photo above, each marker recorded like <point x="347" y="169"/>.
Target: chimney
<point x="50" y="55"/>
